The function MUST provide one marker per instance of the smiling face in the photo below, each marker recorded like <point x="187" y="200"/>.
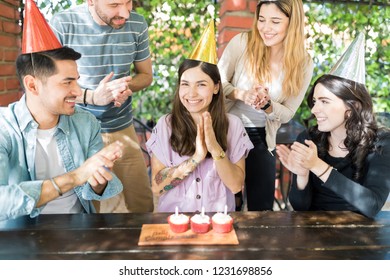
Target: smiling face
<point x="110" y="12"/>
<point x="196" y="91"/>
<point x="54" y="95"/>
<point x="272" y="25"/>
<point x="329" y="110"/>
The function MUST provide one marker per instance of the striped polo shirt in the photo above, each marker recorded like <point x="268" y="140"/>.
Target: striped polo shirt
<point x="104" y="49"/>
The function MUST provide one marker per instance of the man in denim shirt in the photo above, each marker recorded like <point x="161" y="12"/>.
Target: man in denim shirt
<point x="51" y="156"/>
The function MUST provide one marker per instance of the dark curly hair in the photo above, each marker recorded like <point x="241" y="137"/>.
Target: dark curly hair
<point x="361" y="125"/>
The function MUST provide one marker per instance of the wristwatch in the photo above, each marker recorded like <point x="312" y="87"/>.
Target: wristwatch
<point x="220" y="156"/>
<point x="266" y="106"/>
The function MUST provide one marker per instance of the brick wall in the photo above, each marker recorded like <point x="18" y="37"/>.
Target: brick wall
<point x="236" y="16"/>
<point x="10" y="45"/>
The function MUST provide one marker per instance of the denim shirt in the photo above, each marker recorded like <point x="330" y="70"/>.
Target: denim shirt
<point x="78" y="138"/>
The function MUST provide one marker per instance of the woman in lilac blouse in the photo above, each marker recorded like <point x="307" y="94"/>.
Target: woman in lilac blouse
<point x="198" y="151"/>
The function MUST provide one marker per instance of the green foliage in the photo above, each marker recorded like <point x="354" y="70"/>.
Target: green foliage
<point x="330" y="29"/>
<point x="51" y="7"/>
<point x="175" y="27"/>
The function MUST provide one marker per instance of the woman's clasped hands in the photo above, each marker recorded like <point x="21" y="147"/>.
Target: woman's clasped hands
<point x="205" y="138"/>
<point x="257" y="97"/>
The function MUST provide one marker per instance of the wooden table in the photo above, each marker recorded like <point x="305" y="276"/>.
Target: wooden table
<point x="261" y="235"/>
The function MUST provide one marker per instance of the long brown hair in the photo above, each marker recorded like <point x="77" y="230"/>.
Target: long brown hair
<point x="295" y="57"/>
<point x="183" y="126"/>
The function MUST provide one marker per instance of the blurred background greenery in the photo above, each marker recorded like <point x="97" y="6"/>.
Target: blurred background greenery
<point x="175" y="27"/>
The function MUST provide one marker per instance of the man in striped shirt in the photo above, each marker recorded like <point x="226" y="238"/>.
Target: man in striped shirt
<point x="112" y="38"/>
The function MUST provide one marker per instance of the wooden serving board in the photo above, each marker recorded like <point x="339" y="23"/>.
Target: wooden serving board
<point x="161" y="234"/>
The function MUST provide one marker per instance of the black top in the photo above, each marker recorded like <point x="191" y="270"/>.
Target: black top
<point x="340" y="192"/>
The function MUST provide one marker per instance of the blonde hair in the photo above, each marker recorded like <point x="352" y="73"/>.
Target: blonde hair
<point x="295" y="56"/>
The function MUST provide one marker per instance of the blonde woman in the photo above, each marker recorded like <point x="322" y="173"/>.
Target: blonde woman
<point x="265" y="74"/>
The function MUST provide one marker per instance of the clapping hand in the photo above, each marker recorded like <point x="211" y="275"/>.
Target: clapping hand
<point x="250" y="97"/>
<point x="212" y="144"/>
<point x="306" y="155"/>
<point x="262" y="97"/>
<point x="205" y="139"/>
<point x="291" y="160"/>
<point x="116" y="91"/>
<point x="201" y="149"/>
<point x="97" y="169"/>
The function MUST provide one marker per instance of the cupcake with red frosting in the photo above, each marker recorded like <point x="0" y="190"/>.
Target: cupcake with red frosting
<point x="222" y="223"/>
<point x="200" y="223"/>
<point x="178" y="222"/>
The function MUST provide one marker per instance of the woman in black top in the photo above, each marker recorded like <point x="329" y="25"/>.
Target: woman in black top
<point x="343" y="162"/>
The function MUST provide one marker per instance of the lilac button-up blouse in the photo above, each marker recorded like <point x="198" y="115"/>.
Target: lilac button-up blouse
<point x="202" y="187"/>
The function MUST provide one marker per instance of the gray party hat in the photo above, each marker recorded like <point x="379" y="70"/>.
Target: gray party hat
<point x="351" y="64"/>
